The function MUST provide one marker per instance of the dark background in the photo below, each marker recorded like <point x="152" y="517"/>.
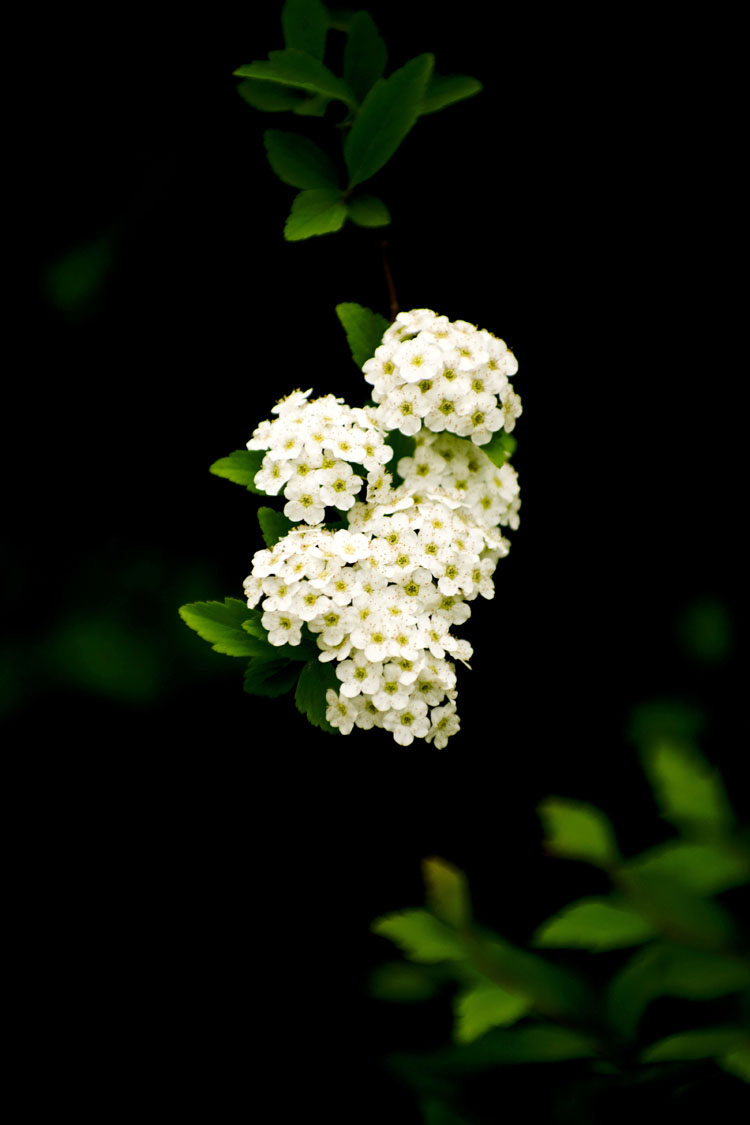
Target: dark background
<point x="199" y="868"/>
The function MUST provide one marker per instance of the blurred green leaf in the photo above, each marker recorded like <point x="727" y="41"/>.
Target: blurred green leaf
<point x="319" y="211"/>
<point x="578" y="831"/>
<point x="703" y="868"/>
<point x="675" y="912"/>
<point x="400" y="982"/>
<point x="221" y="625"/>
<point x="665" y="718"/>
<point x="273" y="525"/>
<point x="447" y="891"/>
<point x="270" y="677"/>
<point x="486" y="1005"/>
<point x="445" y="89"/>
<point x="71" y="282"/>
<point x="704" y="1043"/>
<point x="737" y="1062"/>
<point x="368" y="211"/>
<point x="421" y="936"/>
<point x="387" y="114"/>
<point x="240" y="467"/>
<point x="268" y="96"/>
<point x="500" y="448"/>
<point x="364" y="330"/>
<point x="594" y="924"/>
<point x="556" y="992"/>
<point x="365" y="54"/>
<point x="296" y="69"/>
<point x="666" y="969"/>
<point x="313" y="106"/>
<point x="688" y="790"/>
<point x="298" y="161"/>
<point x="437" y="1112"/>
<point x="706" y="631"/>
<point x="310" y="697"/>
<point x="533" y="1043"/>
<point x="305" y="25"/>
<point x="107" y="656"/>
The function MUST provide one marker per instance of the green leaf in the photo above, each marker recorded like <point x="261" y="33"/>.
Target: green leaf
<point x="665" y="718"/>
<point x="240" y="467"/>
<point x="364" y="330"/>
<point x="421" y="936"/>
<point x="403" y="446"/>
<point x="595" y="924"/>
<point x="268" y="96"/>
<point x="688" y="790"/>
<point x="402" y="983"/>
<point x="706" y="631"/>
<point x="737" y="1062"/>
<point x="310" y="697"/>
<point x="298" y="161"/>
<point x="554" y="991"/>
<point x="319" y="211"/>
<point x="221" y="625"/>
<point x="578" y="831"/>
<point x="500" y="448"/>
<point x="483" y="1006"/>
<point x="368" y="211"/>
<point x="365" y="55"/>
<point x="445" y="89"/>
<point x="665" y="969"/>
<point x="293" y="68"/>
<point x="253" y="624"/>
<point x="273" y="525"/>
<point x="447" y="891"/>
<point x="705" y="869"/>
<point x="305" y="24"/>
<point x="270" y="677"/>
<point x="675" y="912"/>
<point x="388" y="113"/>
<point x="705" y="1043"/>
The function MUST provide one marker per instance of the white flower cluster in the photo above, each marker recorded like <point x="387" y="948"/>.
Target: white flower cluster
<point x="311" y="448"/>
<point x="445" y="375"/>
<point x="383" y="594"/>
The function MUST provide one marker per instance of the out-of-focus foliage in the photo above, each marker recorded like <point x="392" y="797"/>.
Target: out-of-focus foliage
<point x="374" y="113"/>
<point x="514" y="1006"/>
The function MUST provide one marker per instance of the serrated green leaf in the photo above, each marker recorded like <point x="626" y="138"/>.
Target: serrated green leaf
<point x="298" y="161"/>
<point x="575" y="830"/>
<point x="447" y="891"/>
<point x="305" y="25"/>
<point x="220" y="623"/>
<point x="273" y="525"/>
<point x="253" y="625"/>
<point x="368" y="211"/>
<point x="270" y="677"/>
<point x="421" y="936"/>
<point x="269" y="97"/>
<point x="388" y="113"/>
<point x="296" y="69"/>
<point x="594" y="924"/>
<point x="483" y="1006"/>
<point x="240" y="467"/>
<point x="310" y="697"/>
<point x="705" y="869"/>
<point x="704" y="1043"/>
<point x="319" y="211"/>
<point x="737" y="1062"/>
<point x="445" y="89"/>
<point x="365" y="54"/>
<point x="364" y="330"/>
<point x="688" y="790"/>
<point x="500" y="448"/>
<point x="402" y="983"/>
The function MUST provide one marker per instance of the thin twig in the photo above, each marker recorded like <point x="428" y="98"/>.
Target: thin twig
<point x="394" y="306"/>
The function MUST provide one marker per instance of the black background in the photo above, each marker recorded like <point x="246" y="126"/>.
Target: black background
<point x="200" y="868"/>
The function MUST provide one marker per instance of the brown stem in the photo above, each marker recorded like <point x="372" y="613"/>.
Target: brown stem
<point x="389" y="279"/>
